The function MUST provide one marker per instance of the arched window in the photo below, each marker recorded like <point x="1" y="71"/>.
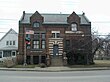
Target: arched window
<point x="36" y="24"/>
<point x="73" y="27"/>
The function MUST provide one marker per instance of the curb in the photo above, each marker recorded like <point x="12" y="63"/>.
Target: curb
<point x="53" y="69"/>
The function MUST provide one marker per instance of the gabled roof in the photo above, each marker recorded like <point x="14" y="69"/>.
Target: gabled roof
<point x="11" y="31"/>
<point x="53" y="18"/>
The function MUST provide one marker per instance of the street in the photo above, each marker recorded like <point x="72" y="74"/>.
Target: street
<point x="71" y="76"/>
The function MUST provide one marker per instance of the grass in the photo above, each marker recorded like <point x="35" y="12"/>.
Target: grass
<point x="102" y="63"/>
<point x="98" y="63"/>
<point x="1" y="65"/>
<point x="22" y="66"/>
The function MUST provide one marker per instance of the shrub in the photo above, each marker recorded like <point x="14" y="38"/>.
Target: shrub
<point x="42" y="65"/>
<point x="8" y="62"/>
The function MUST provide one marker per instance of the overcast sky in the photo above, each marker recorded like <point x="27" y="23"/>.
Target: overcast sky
<point x="97" y="11"/>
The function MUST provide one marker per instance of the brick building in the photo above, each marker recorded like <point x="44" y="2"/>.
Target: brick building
<point x="54" y="39"/>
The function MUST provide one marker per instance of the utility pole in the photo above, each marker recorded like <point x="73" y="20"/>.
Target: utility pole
<point x="26" y="42"/>
<point x="24" y="50"/>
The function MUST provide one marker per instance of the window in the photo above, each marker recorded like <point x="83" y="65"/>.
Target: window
<point x="0" y="54"/>
<point x="13" y="53"/>
<point x="28" y="36"/>
<point x="43" y="35"/>
<point x="58" y="35"/>
<point x="43" y="44"/>
<point x="74" y="27"/>
<point x="7" y="42"/>
<point x="36" y="24"/>
<point x="13" y="42"/>
<point x="10" y="42"/>
<point x="37" y="36"/>
<point x="55" y="35"/>
<point x="36" y="44"/>
<point x="7" y="54"/>
<point x="67" y="43"/>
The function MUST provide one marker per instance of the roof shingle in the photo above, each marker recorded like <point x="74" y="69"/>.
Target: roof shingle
<point x="54" y="18"/>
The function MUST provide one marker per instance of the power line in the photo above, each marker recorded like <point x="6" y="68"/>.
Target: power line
<point x="100" y="22"/>
<point x="8" y="19"/>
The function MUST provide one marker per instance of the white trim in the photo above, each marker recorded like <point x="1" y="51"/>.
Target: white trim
<point x="60" y="54"/>
<point x="12" y="52"/>
<point x="60" y="46"/>
<point x="55" y="31"/>
<point x="51" y="49"/>
<point x="60" y="51"/>
<point x="51" y="42"/>
<point x="74" y="32"/>
<point x="51" y="54"/>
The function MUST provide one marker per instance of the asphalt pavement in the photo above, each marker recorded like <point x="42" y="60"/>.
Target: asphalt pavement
<point x="66" y="76"/>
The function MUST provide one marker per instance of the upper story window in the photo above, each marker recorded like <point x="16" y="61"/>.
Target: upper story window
<point x="13" y="42"/>
<point x="36" y="44"/>
<point x="43" y="35"/>
<point x="10" y="43"/>
<point x="73" y="27"/>
<point x="28" y="36"/>
<point x="36" y="36"/>
<point x="36" y="24"/>
<point x="7" y="42"/>
<point x="55" y="34"/>
<point x="43" y="44"/>
<point x="67" y="43"/>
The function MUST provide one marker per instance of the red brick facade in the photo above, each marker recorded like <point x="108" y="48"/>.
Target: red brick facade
<point x="56" y="37"/>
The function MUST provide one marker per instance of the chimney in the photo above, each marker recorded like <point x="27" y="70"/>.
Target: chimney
<point x="83" y="13"/>
<point x="23" y="15"/>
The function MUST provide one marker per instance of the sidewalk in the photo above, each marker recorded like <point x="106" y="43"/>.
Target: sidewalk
<point x="55" y="69"/>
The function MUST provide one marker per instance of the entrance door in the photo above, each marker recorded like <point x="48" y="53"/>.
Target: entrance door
<point x="55" y="50"/>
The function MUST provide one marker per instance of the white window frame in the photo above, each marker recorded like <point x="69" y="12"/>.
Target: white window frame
<point x="56" y="33"/>
<point x="74" y="27"/>
<point x="11" y="43"/>
<point x="36" y="44"/>
<point x="7" y="43"/>
<point x="14" y="42"/>
<point x="1" y="54"/>
<point x="36" y="24"/>
<point x="12" y="53"/>
<point x="43" y="44"/>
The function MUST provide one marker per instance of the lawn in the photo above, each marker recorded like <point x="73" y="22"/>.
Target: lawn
<point x="98" y="63"/>
<point x="102" y="63"/>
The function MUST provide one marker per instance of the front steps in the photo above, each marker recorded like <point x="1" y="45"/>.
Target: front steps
<point x="56" y="61"/>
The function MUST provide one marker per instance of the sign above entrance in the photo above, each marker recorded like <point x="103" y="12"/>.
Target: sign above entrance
<point x="29" y="32"/>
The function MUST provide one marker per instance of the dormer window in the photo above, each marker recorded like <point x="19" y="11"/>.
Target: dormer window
<point x="73" y="27"/>
<point x="36" y="24"/>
